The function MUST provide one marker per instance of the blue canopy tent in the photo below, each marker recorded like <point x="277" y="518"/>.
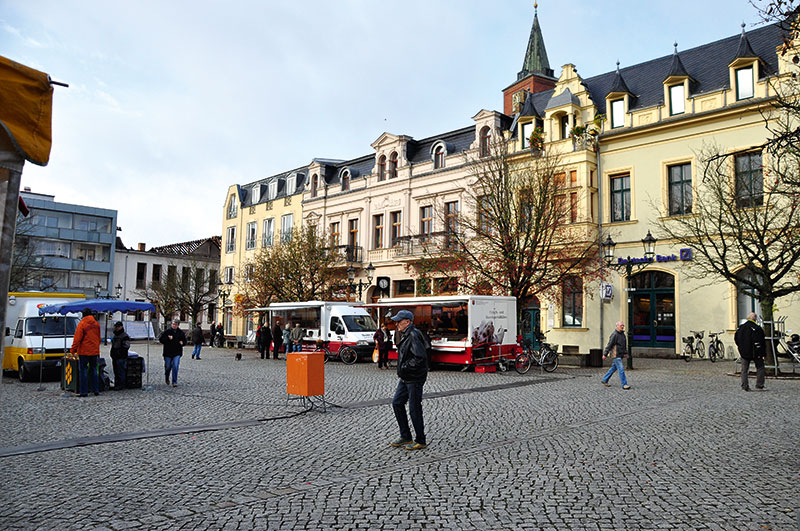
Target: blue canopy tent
<point x="101" y="306"/>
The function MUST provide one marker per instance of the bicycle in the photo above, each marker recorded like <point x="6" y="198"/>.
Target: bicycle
<point x="691" y="346"/>
<point x="716" y="350"/>
<point x="546" y="357"/>
<point x="347" y="354"/>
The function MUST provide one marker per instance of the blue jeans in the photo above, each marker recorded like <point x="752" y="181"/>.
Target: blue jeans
<point x="171" y="364"/>
<point x="297" y="347"/>
<point x="196" y="351"/>
<point x="410" y="392"/>
<point x="120" y="366"/>
<point x="91" y="363"/>
<point x="617" y="365"/>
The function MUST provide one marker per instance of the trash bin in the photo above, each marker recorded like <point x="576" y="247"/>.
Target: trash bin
<point x="133" y="373"/>
<point x="305" y="373"/>
<point x="595" y="357"/>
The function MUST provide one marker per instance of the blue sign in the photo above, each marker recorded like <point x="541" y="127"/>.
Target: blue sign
<point x="686" y="254"/>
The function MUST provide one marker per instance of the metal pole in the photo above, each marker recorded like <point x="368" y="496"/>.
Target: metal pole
<point x="41" y="354"/>
<point x="9" y="198"/>
<point x="628" y="271"/>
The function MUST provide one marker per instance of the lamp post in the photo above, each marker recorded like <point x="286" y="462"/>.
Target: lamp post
<point x="223" y="290"/>
<point x="351" y="277"/>
<point x="630" y="265"/>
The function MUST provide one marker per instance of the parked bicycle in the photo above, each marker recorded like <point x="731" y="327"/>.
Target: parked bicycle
<point x="546" y="357"/>
<point x="716" y="350"/>
<point x="693" y="344"/>
<point x="345" y="353"/>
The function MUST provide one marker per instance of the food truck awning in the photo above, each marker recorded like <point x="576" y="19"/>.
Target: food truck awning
<point x="26" y="108"/>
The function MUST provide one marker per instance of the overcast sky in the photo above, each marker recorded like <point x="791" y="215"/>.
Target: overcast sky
<point x="170" y="102"/>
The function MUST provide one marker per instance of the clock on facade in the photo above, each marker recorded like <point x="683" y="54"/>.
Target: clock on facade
<point x="383" y="283"/>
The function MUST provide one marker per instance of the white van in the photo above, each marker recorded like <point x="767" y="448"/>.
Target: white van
<point x="31" y="341"/>
<point x="337" y="324"/>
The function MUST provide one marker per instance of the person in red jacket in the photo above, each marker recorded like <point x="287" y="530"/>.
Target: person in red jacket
<point x="86" y="343"/>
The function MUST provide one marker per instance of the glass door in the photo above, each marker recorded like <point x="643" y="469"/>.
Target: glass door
<point x="652" y="309"/>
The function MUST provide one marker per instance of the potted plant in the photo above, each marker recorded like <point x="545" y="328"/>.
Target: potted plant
<point x="536" y="140"/>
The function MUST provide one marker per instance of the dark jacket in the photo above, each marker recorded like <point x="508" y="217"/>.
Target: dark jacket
<point x="197" y="336"/>
<point x="617" y="338"/>
<point x="381" y="342"/>
<point x="120" y="344"/>
<point x="172" y="347"/>
<point x="277" y="334"/>
<point x="266" y="335"/>
<point x="412" y="361"/>
<point x="749" y="339"/>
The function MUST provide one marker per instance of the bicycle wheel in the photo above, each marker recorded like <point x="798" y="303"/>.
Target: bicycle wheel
<point x="720" y="350"/>
<point x="348" y="355"/>
<point x="712" y="352"/>
<point x="325" y="352"/>
<point x="687" y="353"/>
<point x="522" y="363"/>
<point x="700" y="348"/>
<point x="549" y="361"/>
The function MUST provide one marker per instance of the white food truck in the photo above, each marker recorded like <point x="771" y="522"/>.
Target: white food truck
<point x="30" y="340"/>
<point x="469" y="330"/>
<point x="332" y="325"/>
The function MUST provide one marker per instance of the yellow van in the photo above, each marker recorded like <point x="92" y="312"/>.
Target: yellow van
<point x="31" y="341"/>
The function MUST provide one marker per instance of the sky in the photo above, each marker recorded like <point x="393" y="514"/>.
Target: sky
<point x="171" y="101"/>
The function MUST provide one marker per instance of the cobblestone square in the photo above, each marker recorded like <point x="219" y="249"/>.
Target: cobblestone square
<point x="685" y="448"/>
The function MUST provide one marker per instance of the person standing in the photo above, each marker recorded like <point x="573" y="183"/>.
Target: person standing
<point x="296" y="336"/>
<point x="277" y="339"/>
<point x="287" y="339"/>
<point x="120" y="344"/>
<point x="382" y="343"/>
<point x="266" y="340"/>
<point x="86" y="344"/>
<point x="412" y="369"/>
<point x="618" y="347"/>
<point x="173" y="340"/>
<point x="197" y="341"/>
<point x="750" y="341"/>
<point x="259" y="340"/>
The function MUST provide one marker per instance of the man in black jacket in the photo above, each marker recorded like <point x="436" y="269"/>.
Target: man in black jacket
<point x="120" y="344"/>
<point x="412" y="369"/>
<point x="749" y="339"/>
<point x="277" y="339"/>
<point x="173" y="340"/>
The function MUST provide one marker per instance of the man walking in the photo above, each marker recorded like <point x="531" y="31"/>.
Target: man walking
<point x="412" y="369"/>
<point x="197" y="340"/>
<point x="618" y="347"/>
<point x="173" y="340"/>
<point x="86" y="343"/>
<point x="749" y="340"/>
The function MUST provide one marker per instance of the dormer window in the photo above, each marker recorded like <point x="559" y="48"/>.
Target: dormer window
<point x="438" y="158"/>
<point x="314" y="185"/>
<point x="677" y="100"/>
<point x="232" y="206"/>
<point x="744" y="83"/>
<point x="563" y="127"/>
<point x="483" y="146"/>
<point x="291" y="185"/>
<point x="256" y="195"/>
<point x="393" y="165"/>
<point x="272" y="191"/>
<point x="617" y="113"/>
<point x="382" y="168"/>
<point x="527" y="131"/>
<point x="345" y="181"/>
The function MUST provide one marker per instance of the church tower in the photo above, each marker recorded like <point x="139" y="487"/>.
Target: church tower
<point x="536" y="74"/>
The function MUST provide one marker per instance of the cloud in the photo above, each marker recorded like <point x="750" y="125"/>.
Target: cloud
<point x="27" y="41"/>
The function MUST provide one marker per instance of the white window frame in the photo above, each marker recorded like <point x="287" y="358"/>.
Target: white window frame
<point x="744" y="76"/>
<point x="232" y="207"/>
<point x="617" y="113"/>
<point x="272" y="191"/>
<point x="229" y="275"/>
<point x="230" y="242"/>
<point x="268" y="237"/>
<point x="287" y="222"/>
<point x="251" y="235"/>
<point x="291" y="185"/>
<point x="677" y="99"/>
<point x="527" y="131"/>
<point x="256" y="195"/>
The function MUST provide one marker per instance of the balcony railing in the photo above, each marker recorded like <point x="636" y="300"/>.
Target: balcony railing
<point x="250" y="244"/>
<point x="349" y="253"/>
<point x="422" y="244"/>
<point x="266" y="240"/>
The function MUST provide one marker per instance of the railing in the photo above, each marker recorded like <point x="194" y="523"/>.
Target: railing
<point x="584" y="142"/>
<point x="421" y="244"/>
<point x="349" y="253"/>
<point x="266" y="240"/>
<point x="250" y="244"/>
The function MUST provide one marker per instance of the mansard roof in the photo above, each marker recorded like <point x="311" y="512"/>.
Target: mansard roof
<point x="745" y="51"/>
<point x="246" y="190"/>
<point x="708" y="65"/>
<point x="460" y="140"/>
<point x="676" y="68"/>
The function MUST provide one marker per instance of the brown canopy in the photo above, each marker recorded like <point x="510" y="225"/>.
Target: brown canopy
<point x="26" y="108"/>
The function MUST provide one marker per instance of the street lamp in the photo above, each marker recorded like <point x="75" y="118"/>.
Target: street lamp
<point x="628" y="265"/>
<point x="97" y="288"/>
<point x="118" y="291"/>
<point x="223" y="290"/>
<point x="351" y="278"/>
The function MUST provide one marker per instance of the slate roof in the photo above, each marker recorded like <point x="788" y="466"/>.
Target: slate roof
<point x="185" y="248"/>
<point x="245" y="190"/>
<point x="535" y="61"/>
<point x="676" y="68"/>
<point x="564" y="98"/>
<point x="706" y="64"/>
<point x="459" y="140"/>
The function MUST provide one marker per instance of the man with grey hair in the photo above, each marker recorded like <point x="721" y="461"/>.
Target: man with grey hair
<point x="618" y="347"/>
<point x="749" y="339"/>
<point x="173" y="340"/>
<point x="412" y="369"/>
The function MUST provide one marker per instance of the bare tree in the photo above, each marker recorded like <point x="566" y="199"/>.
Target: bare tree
<point x="28" y="266"/>
<point x="195" y="291"/>
<point x="516" y="236"/>
<point x="165" y="296"/>
<point x="744" y="227"/>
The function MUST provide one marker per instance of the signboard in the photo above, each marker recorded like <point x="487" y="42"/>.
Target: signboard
<point x="607" y="291"/>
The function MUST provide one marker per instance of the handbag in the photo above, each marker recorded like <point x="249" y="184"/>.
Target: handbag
<point x="375" y="355"/>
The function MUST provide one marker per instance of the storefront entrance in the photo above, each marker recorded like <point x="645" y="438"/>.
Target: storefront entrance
<point x="652" y="309"/>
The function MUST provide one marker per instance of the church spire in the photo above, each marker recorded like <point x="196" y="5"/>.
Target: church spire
<point x="535" y="56"/>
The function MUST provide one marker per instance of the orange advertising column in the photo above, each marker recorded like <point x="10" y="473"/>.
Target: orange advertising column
<point x="305" y="373"/>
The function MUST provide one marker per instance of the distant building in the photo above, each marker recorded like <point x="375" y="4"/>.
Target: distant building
<point x="65" y="247"/>
<point x="137" y="268"/>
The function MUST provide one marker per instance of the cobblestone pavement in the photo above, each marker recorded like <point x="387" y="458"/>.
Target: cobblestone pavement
<point x="684" y="449"/>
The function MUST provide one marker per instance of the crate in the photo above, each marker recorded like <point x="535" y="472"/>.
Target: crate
<point x="133" y="373"/>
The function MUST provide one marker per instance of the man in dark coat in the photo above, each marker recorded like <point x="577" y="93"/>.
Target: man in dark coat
<point x="197" y="341"/>
<point x="618" y="347"/>
<point x="120" y="344"/>
<point x="173" y="340"/>
<point x="749" y="339"/>
<point x="277" y="339"/>
<point x="412" y="369"/>
<point x="263" y="340"/>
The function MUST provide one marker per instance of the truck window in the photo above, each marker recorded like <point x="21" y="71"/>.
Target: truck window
<point x="18" y="330"/>
<point x="360" y="323"/>
<point x="53" y="326"/>
<point x="336" y="326"/>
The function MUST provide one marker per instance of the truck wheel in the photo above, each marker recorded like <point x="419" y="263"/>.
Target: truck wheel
<point x="22" y="372"/>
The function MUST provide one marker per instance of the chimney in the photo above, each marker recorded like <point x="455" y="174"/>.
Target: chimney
<point x="141" y="246"/>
